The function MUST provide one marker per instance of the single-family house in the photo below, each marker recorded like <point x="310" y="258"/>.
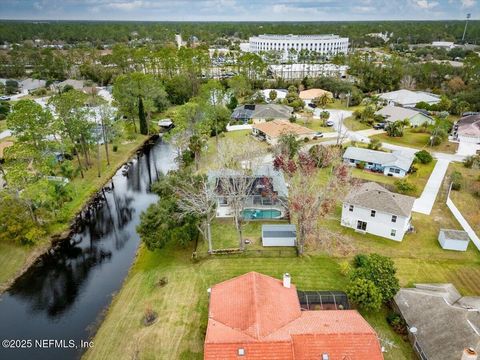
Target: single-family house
<point x="396" y="163"/>
<point x="267" y="193"/>
<point x="393" y="113"/>
<point x="258" y="113"/>
<point x="257" y="317"/>
<point x="442" y="324"/>
<point x="29" y="85"/>
<point x="453" y="239"/>
<point x="271" y="131"/>
<point x="408" y="98"/>
<point x="76" y="84"/>
<point x="370" y="208"/>
<point x="308" y="95"/>
<point x="280" y="94"/>
<point x="467" y="129"/>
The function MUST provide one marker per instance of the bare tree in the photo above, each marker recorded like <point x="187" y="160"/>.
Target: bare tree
<point x="106" y="119"/>
<point x="197" y="197"/>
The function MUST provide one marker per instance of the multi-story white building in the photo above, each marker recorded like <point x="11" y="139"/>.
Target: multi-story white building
<point x="321" y="44"/>
<point x="370" y="208"/>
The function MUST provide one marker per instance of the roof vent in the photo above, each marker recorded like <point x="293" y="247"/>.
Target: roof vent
<point x="287" y="280"/>
<point x="469" y="354"/>
<point x="325" y="356"/>
<point x="241" y="352"/>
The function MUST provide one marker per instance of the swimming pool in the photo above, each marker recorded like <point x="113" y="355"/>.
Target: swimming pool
<point x="253" y="214"/>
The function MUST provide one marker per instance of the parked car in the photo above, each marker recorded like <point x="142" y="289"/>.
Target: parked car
<point x="5" y="98"/>
<point x="318" y="135"/>
<point x="329" y="123"/>
<point x="312" y="105"/>
<point x="379" y="126"/>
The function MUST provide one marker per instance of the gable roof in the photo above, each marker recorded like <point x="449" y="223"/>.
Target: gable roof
<point x="446" y="322"/>
<point x="313" y="93"/>
<point x="371" y="195"/>
<point x="263" y="111"/>
<point x="396" y="113"/>
<point x="399" y="159"/>
<point x="257" y="313"/>
<point x="469" y="125"/>
<point x="277" y="128"/>
<point x="407" y="97"/>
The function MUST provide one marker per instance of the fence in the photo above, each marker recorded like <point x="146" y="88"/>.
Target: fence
<point x="465" y="225"/>
<point x="251" y="253"/>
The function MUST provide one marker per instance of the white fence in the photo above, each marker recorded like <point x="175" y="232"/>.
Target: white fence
<point x="239" y="127"/>
<point x="465" y="225"/>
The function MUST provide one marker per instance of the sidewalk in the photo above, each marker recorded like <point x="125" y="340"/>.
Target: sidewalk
<point x="425" y="202"/>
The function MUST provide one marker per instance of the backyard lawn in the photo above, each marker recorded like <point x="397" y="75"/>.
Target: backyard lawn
<point x="419" y="178"/>
<point x="182" y="305"/>
<point x="464" y="199"/>
<point x="417" y="140"/>
<point x="355" y="125"/>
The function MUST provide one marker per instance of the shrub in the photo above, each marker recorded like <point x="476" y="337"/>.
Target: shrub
<point x="456" y="178"/>
<point x="374" y="144"/>
<point x="380" y="270"/>
<point x="472" y="161"/>
<point x="405" y="187"/>
<point x="149" y="316"/>
<point x="397" y="323"/>
<point x="115" y="148"/>
<point x="360" y="165"/>
<point x="476" y="188"/>
<point x="360" y="260"/>
<point x="345" y="268"/>
<point x="365" y="294"/>
<point x="413" y="169"/>
<point x="424" y="156"/>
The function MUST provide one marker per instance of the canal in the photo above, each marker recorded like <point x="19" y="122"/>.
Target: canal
<point x="63" y="296"/>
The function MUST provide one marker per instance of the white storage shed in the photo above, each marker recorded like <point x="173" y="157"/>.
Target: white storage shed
<point x="453" y="239"/>
<point x="279" y="235"/>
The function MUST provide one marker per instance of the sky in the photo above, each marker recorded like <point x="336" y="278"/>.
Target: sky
<point x="238" y="10"/>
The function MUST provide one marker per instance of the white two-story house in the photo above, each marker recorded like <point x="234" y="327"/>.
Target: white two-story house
<point x="396" y="163"/>
<point x="370" y="208"/>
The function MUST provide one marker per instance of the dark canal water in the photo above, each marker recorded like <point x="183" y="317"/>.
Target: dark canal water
<point x="63" y="295"/>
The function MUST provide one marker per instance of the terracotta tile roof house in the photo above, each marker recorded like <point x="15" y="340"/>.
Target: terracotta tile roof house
<point x="311" y="94"/>
<point x="272" y="130"/>
<point x="254" y="316"/>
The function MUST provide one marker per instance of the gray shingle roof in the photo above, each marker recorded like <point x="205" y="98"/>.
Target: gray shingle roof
<point x="458" y="235"/>
<point x="370" y="195"/>
<point x="446" y="323"/>
<point x="397" y="113"/>
<point x="263" y="111"/>
<point x="399" y="159"/>
<point x="407" y="97"/>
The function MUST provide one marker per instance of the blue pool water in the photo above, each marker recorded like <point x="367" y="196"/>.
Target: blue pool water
<point x="253" y="214"/>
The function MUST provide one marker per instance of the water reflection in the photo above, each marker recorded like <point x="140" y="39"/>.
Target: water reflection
<point x="63" y="293"/>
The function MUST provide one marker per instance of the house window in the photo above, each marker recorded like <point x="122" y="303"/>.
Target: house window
<point x="350" y="208"/>
<point x="352" y="161"/>
<point x="390" y="170"/>
<point x="241" y="352"/>
<point x="394" y="218"/>
<point x="393" y="232"/>
<point x="397" y="171"/>
<point x="370" y="164"/>
<point x="361" y="225"/>
<point x="372" y="213"/>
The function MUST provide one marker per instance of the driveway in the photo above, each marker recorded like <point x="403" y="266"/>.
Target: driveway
<point x="467" y="149"/>
<point x="425" y="202"/>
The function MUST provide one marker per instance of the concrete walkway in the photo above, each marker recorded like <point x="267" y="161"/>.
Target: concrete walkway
<point x="425" y="202"/>
<point x="5" y="134"/>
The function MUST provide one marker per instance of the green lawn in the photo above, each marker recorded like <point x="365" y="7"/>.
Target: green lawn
<point x="355" y="125"/>
<point x="15" y="257"/>
<point x="464" y="199"/>
<point x="342" y="105"/>
<point x="419" y="178"/>
<point x="3" y="125"/>
<point x="182" y="304"/>
<point x="417" y="140"/>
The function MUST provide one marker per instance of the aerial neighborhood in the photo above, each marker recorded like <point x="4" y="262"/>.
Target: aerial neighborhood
<point x="258" y="189"/>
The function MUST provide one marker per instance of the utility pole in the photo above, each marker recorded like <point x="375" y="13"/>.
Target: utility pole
<point x="465" y="30"/>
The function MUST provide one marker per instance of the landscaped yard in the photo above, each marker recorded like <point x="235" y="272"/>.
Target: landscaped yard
<point x="182" y="305"/>
<point x="419" y="178"/>
<point x="417" y="140"/>
<point x="355" y="125"/>
<point x="3" y="125"/>
<point x="464" y="199"/>
<point x="13" y="257"/>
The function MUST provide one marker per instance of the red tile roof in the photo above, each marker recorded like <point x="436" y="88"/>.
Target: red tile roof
<point x="256" y="313"/>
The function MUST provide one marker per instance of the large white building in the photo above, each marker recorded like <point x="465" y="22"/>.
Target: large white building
<point x="321" y="44"/>
<point x="370" y="208"/>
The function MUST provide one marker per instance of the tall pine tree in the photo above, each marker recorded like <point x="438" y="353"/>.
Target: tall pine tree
<point x="142" y="117"/>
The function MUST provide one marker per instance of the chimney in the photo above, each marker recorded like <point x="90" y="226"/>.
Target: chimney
<point x="286" y="280"/>
<point x="469" y="354"/>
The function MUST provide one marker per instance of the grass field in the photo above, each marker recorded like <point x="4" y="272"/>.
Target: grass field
<point x="417" y="140"/>
<point x="419" y="178"/>
<point x="182" y="305"/>
<point x="464" y="199"/>
<point x="3" y="125"/>
<point x="15" y="257"/>
<point x="355" y="125"/>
